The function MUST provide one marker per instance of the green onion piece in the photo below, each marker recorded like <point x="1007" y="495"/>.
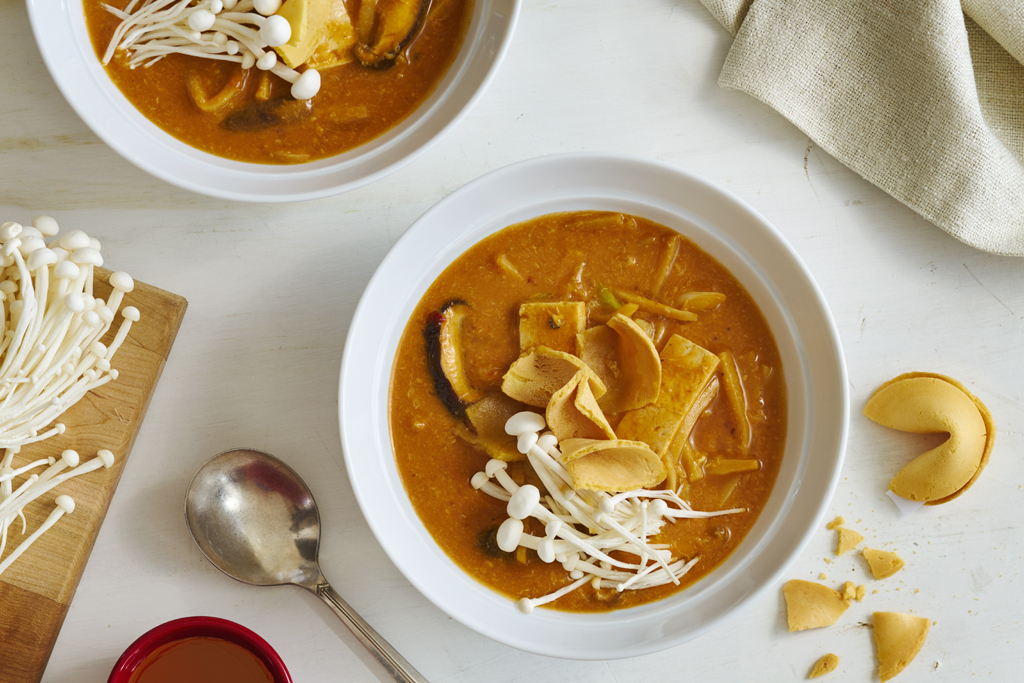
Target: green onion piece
<point x="608" y="299"/>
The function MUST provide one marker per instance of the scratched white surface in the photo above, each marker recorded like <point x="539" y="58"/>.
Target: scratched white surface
<point x="271" y="290"/>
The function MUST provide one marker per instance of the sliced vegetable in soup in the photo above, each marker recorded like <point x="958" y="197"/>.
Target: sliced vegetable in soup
<point x="270" y="82"/>
<point x="587" y="411"/>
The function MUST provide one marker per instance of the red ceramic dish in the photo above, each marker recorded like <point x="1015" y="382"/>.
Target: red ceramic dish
<point x="192" y="627"/>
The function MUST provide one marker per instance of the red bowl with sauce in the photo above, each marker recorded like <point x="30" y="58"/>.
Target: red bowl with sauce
<point x="200" y="650"/>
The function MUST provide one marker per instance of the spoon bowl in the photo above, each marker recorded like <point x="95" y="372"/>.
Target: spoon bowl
<point x="255" y="519"/>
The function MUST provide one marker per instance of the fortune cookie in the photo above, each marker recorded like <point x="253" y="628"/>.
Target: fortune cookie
<point x="573" y="412"/>
<point x="825" y="665"/>
<point x="625" y="359"/>
<point x="883" y="563"/>
<point x="535" y="377"/>
<point x="611" y="466"/>
<point x="927" y="403"/>
<point x="812" y="605"/>
<point x="898" y="638"/>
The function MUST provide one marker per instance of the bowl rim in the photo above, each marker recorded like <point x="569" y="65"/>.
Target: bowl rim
<point x="63" y="41"/>
<point x="199" y="626"/>
<point x="663" y="623"/>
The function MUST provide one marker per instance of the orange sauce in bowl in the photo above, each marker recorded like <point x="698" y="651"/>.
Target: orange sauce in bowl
<point x="201" y="659"/>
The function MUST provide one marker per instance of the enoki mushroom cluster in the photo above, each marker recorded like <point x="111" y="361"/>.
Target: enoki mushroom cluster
<point x="50" y="357"/>
<point x="229" y="30"/>
<point x="588" y="532"/>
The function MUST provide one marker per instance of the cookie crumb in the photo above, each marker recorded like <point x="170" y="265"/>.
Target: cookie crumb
<point x="825" y="665"/>
<point x="848" y="540"/>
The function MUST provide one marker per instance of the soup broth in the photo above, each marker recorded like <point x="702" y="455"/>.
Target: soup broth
<point x="595" y="258"/>
<point x="354" y="105"/>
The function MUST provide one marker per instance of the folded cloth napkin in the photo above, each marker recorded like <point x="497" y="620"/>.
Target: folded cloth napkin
<point x="919" y="99"/>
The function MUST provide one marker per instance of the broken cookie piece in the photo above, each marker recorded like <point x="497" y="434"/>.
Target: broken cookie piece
<point x="898" y="639"/>
<point x="848" y="540"/>
<point x="928" y="403"/>
<point x="837" y="522"/>
<point x="611" y="466"/>
<point x="825" y="665"/>
<point x="883" y="563"/>
<point x="812" y="605"/>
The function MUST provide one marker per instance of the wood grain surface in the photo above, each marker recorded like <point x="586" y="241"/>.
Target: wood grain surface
<point x="37" y="589"/>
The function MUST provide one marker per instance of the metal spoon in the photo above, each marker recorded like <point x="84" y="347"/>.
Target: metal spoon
<point x="254" y="518"/>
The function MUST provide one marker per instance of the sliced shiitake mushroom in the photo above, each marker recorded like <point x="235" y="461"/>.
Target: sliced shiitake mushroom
<point x="443" y="337"/>
<point x="397" y="22"/>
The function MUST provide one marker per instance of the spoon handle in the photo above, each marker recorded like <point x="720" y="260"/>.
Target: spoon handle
<point x="394" y="663"/>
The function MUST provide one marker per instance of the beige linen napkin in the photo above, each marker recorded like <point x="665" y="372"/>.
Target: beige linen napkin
<point x="919" y="99"/>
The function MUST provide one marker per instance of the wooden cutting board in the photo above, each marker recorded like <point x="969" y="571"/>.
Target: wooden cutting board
<point x="37" y="589"/>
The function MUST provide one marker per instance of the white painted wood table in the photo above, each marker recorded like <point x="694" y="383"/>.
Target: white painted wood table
<point x="272" y="289"/>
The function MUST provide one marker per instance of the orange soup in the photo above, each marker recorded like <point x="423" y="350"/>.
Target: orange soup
<point x="537" y="294"/>
<point x="262" y="123"/>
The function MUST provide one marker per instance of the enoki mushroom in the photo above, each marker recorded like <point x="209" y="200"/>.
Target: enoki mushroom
<point x="50" y="357"/>
<point x="229" y="30"/>
<point x="582" y="528"/>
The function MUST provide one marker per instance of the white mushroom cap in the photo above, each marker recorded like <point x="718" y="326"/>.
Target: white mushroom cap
<point x="46" y="225"/>
<point x="276" y="31"/>
<point x="105" y="314"/>
<point x="122" y="280"/>
<point x="494" y="466"/>
<point x="524" y="422"/>
<point x="74" y="302"/>
<point x="131" y="313"/>
<point x="76" y="239"/>
<point x="509" y="534"/>
<point x="106" y="457"/>
<point x="87" y="255"/>
<point x="547" y="442"/>
<point x="41" y="258"/>
<point x="10" y="229"/>
<point x="201" y="20"/>
<point x="31" y="244"/>
<point x="523" y="501"/>
<point x="306" y="85"/>
<point x="266" y="7"/>
<point x="70" y="457"/>
<point x="526" y="441"/>
<point x="66" y="270"/>
<point x="65" y="503"/>
<point x="267" y="61"/>
<point x="546" y="550"/>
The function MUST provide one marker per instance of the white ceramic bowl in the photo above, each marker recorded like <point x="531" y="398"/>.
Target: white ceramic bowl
<point x="723" y="226"/>
<point x="61" y="35"/>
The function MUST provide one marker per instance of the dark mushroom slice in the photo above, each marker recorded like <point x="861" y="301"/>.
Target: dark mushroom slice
<point x="443" y="337"/>
<point x="258" y="116"/>
<point x="397" y="22"/>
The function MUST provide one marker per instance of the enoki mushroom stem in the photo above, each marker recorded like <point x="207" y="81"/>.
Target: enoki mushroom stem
<point x="624" y="522"/>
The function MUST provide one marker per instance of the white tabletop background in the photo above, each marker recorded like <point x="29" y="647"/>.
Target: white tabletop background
<point x="272" y="289"/>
